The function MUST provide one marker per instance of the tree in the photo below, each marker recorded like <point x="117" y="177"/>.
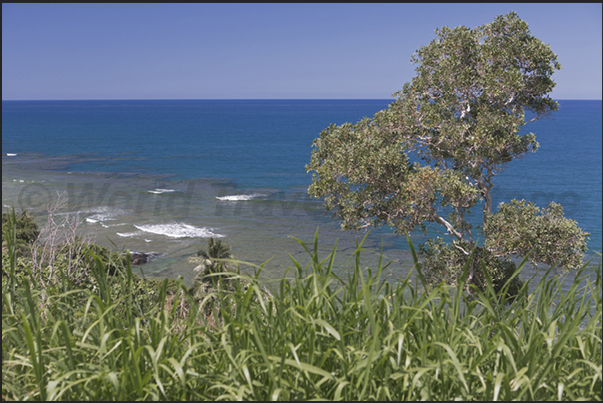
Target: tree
<point x="459" y="118"/>
<point x="212" y="263"/>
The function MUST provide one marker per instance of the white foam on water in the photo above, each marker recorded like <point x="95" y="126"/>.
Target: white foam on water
<point x="128" y="234"/>
<point x="102" y="213"/>
<point x="179" y="230"/>
<point x="160" y="191"/>
<point x="101" y="209"/>
<point x="114" y="225"/>
<point x="240" y="197"/>
<point x="100" y="217"/>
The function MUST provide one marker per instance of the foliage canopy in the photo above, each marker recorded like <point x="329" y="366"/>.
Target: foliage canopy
<point x="433" y="154"/>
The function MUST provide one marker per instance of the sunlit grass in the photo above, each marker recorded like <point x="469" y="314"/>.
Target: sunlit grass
<point x="316" y="336"/>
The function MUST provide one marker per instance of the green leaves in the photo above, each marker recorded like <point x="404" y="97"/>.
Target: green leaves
<point x="462" y="111"/>
<point x="25" y="231"/>
<point x="213" y="271"/>
<point x="320" y="337"/>
<point x="520" y="227"/>
<point x="361" y="173"/>
<point x="460" y="118"/>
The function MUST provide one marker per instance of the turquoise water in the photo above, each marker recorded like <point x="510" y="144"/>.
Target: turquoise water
<point x="165" y="175"/>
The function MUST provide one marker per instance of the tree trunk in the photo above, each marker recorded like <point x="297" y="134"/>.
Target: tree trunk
<point x="485" y="190"/>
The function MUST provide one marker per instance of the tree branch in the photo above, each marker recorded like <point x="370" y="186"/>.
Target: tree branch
<point x="461" y="249"/>
<point x="449" y="227"/>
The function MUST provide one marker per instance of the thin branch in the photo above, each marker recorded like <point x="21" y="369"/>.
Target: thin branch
<point x="449" y="227"/>
<point x="460" y="248"/>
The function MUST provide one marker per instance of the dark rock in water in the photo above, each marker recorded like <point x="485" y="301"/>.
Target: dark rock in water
<point x="138" y="258"/>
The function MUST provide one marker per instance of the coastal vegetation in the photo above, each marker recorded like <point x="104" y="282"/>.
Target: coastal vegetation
<point x="212" y="264"/>
<point x="116" y="336"/>
<point x="433" y="155"/>
<point x="79" y="323"/>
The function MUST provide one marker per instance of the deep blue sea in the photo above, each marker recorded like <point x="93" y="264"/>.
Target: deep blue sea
<point x="163" y="175"/>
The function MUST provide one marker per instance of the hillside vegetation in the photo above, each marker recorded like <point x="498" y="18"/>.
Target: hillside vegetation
<point x="84" y="326"/>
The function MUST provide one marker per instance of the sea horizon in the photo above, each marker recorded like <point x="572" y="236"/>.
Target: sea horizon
<point x="242" y="99"/>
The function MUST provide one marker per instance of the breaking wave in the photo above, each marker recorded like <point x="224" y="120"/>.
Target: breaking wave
<point x="128" y="234"/>
<point x="160" y="191"/>
<point x="103" y="213"/>
<point x="240" y="197"/>
<point x="179" y="230"/>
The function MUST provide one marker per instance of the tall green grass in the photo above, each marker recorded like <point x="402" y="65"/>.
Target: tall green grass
<point x="316" y="336"/>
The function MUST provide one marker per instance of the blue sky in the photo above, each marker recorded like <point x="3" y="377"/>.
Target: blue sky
<point x="260" y="51"/>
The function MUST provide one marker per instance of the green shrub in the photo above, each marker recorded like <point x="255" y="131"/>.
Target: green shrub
<point x="26" y="232"/>
<point x="445" y="263"/>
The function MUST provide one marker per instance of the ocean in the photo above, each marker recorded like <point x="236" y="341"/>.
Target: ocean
<point x="164" y="175"/>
